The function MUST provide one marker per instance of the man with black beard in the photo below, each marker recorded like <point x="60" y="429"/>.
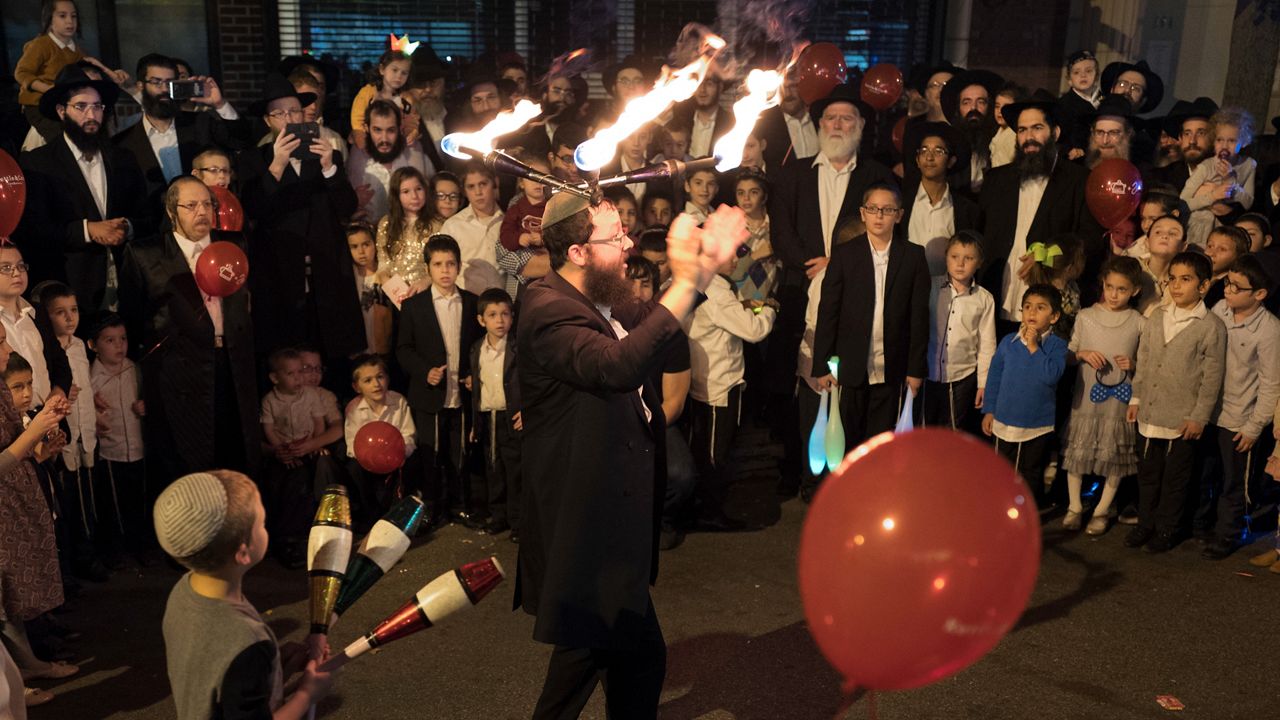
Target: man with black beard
<point x="1033" y="200"/>
<point x="558" y="96"/>
<point x="168" y="138"/>
<point x="1189" y="122"/>
<point x="969" y="103"/>
<point x="385" y="152"/>
<point x="593" y="448"/>
<point x="85" y="197"/>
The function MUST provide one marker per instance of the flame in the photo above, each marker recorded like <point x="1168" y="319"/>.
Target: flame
<point x="671" y="88"/>
<point x="403" y="45"/>
<point x="762" y="93"/>
<point x="482" y="140"/>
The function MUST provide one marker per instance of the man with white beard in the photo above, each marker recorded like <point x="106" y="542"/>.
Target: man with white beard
<point x="1110" y="132"/>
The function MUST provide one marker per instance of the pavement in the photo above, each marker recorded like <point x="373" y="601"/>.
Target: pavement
<point x="1107" y="630"/>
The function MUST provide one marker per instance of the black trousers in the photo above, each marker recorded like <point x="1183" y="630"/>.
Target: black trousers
<point x="228" y="435"/>
<point x="1164" y="480"/>
<point x="711" y="433"/>
<point x="1029" y="458"/>
<point x="1226" y="480"/>
<point x="123" y="505"/>
<point x="868" y="410"/>
<point x="442" y="440"/>
<point x="632" y="671"/>
<point x="500" y="444"/>
<point x="950" y="405"/>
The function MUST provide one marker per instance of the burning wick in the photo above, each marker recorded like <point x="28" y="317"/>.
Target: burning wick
<point x="671" y="88"/>
<point x="762" y="94"/>
<point x="482" y="140"/>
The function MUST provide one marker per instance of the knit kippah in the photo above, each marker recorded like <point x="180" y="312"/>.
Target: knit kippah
<point x="189" y="514"/>
<point x="562" y="206"/>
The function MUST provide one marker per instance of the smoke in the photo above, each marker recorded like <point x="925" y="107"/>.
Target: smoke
<point x="761" y="33"/>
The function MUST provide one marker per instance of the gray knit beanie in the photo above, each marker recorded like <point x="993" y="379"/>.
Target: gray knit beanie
<point x="189" y="514"/>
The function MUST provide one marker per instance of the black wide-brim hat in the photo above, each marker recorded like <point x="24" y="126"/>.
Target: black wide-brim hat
<point x="70" y="79"/>
<point x="1155" y="86"/>
<point x="950" y="98"/>
<point x="329" y="70"/>
<point x="850" y="92"/>
<point x="276" y="87"/>
<point x="1201" y="107"/>
<point x="918" y="79"/>
<point x="1113" y="106"/>
<point x="1041" y="100"/>
<point x="609" y="76"/>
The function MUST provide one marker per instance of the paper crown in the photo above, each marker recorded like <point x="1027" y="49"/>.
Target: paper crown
<point x="402" y="44"/>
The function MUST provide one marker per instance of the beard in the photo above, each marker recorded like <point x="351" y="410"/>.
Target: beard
<point x="1194" y="154"/>
<point x="1167" y="155"/>
<point x="87" y="138"/>
<point x="161" y="107"/>
<point x="1094" y="155"/>
<point x="605" y="285"/>
<point x="839" y="148"/>
<point x="388" y="156"/>
<point x="1036" y="164"/>
<point x="429" y="108"/>
<point x="978" y="129"/>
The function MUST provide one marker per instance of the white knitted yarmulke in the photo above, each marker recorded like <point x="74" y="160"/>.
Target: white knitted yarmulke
<point x="189" y="514"/>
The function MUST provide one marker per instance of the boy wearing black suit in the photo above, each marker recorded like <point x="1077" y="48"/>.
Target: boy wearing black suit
<point x="495" y="404"/>
<point x="874" y="316"/>
<point x="433" y="350"/>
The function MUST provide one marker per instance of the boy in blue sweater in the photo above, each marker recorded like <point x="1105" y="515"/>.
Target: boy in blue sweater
<point x="1018" y="408"/>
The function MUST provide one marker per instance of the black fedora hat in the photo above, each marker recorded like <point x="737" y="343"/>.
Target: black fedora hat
<point x="920" y="74"/>
<point x="1113" y="106"/>
<point x="1155" y="86"/>
<point x="951" y="91"/>
<point x="1041" y="100"/>
<point x="609" y="77"/>
<point x="1201" y="107"/>
<point x="72" y="78"/>
<point x="949" y="133"/>
<point x="327" y="69"/>
<point x="276" y="87"/>
<point x="849" y="92"/>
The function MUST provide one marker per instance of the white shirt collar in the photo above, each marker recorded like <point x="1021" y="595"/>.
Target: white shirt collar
<point x="436" y="295"/>
<point x="153" y="130"/>
<point x="497" y="350"/>
<point x="473" y="216"/>
<point x="1180" y="315"/>
<point x="24" y="309"/>
<point x="822" y="159"/>
<point x="922" y="195"/>
<point x="187" y="245"/>
<point x="68" y="45"/>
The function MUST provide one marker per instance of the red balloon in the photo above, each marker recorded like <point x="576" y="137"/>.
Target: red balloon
<point x="221" y="269"/>
<point x="899" y="132"/>
<point x="918" y="554"/>
<point x="229" y="215"/>
<point x="13" y="194"/>
<point x="882" y="86"/>
<point x="1113" y="191"/>
<point x="819" y="69"/>
<point x="379" y="448"/>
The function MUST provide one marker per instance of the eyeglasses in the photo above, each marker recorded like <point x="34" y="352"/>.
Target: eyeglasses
<point x="1124" y="87"/>
<point x="319" y="369"/>
<point x="630" y="81"/>
<point x="1109" y="134"/>
<point x="934" y="152"/>
<point x="874" y="211"/>
<point x="277" y="114"/>
<point x="157" y="82"/>
<point x="83" y="107"/>
<point x="937" y="84"/>
<point x="618" y="241"/>
<point x="1228" y="286"/>
<point x="215" y="170"/>
<point x="452" y="197"/>
<point x="10" y="270"/>
<point x="567" y="158"/>
<point x="194" y="206"/>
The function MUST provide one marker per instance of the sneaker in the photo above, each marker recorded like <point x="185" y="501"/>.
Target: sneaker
<point x="1138" y="537"/>
<point x="1128" y="516"/>
<point x="1266" y="559"/>
<point x="1218" y="550"/>
<point x="1074" y="520"/>
<point x="1098" y="524"/>
<point x="1162" y="542"/>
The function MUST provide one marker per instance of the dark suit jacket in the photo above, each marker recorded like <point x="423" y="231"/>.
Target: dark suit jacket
<point x="682" y="117"/>
<point x="420" y="347"/>
<point x="795" y="216"/>
<point x="778" y="151"/>
<point x="294" y="218"/>
<point x="847" y="312"/>
<point x="593" y="489"/>
<point x="51" y="235"/>
<point x="510" y="378"/>
<point x="172" y="337"/>
<point x="1061" y="210"/>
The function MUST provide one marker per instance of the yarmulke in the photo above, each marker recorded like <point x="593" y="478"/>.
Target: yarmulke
<point x="189" y="514"/>
<point x="562" y="205"/>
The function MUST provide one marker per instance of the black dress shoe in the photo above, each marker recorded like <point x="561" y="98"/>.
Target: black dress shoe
<point x="496" y="527"/>
<point x="1138" y="537"/>
<point x="670" y="539"/>
<point x="1162" y="542"/>
<point x="92" y="571"/>
<point x="1218" y="550"/>
<point x="466" y="519"/>
<point x="788" y="487"/>
<point x="720" y="522"/>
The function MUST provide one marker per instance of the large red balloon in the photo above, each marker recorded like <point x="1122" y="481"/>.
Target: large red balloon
<point x="13" y="194"/>
<point x="221" y="269"/>
<point x="379" y="448"/>
<point x="819" y="69"/>
<point x="882" y="86"/>
<point x="899" y="133"/>
<point x="918" y="554"/>
<point x="229" y="214"/>
<point x="1113" y="191"/>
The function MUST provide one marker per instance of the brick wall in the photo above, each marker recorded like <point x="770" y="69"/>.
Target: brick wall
<point x="242" y="46"/>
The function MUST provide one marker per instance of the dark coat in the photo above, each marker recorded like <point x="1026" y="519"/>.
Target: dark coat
<point x="593" y="491"/>
<point x="795" y="216"/>
<point x="51" y="235"/>
<point x="682" y="117"/>
<point x="847" y="312"/>
<point x="1061" y="210"/>
<point x="778" y="151"/>
<point x="172" y="337"/>
<point x="420" y="347"/>
<point x="510" y="377"/>
<point x="294" y="218"/>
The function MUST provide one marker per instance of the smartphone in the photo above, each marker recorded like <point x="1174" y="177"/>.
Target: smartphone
<point x="307" y="133"/>
<point x="186" y="89"/>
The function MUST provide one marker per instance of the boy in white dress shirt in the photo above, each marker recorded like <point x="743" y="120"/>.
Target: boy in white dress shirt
<point x="962" y="339"/>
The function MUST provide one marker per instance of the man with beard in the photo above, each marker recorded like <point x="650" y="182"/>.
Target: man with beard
<point x="560" y="158"/>
<point x="593" y="452"/>
<point x="558" y="95"/>
<point x="1111" y="132"/>
<point x="167" y="138"/>
<point x="1189" y="122"/>
<point x="299" y="201"/>
<point x="483" y="101"/>
<point x="196" y="350"/>
<point x="702" y="117"/>
<point x="787" y="130"/>
<point x="85" y="197"/>
<point x="425" y="93"/>
<point x="370" y="169"/>
<point x="1032" y="200"/>
<point x="969" y="100"/>
<point x="622" y="81"/>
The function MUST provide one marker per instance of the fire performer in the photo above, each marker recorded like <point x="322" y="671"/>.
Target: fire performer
<point x="594" y="437"/>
